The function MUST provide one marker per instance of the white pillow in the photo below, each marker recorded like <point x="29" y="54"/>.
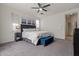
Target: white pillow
<point x="29" y="30"/>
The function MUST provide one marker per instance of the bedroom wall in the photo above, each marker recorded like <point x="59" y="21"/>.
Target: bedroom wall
<point x="52" y="23"/>
<point x="5" y="21"/>
<point x="0" y="25"/>
<point x="6" y="28"/>
<point x="56" y="23"/>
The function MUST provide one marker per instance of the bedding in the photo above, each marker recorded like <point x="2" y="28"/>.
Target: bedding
<point x="34" y="35"/>
<point x="27" y="30"/>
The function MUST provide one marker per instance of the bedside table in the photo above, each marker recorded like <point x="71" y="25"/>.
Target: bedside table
<point x="18" y="36"/>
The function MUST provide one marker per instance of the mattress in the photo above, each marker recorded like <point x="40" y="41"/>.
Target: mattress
<point x="33" y="35"/>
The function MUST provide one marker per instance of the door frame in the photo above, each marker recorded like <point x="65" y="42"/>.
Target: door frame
<point x="66" y="21"/>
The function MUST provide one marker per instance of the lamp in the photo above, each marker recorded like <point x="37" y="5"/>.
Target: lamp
<point x="15" y="26"/>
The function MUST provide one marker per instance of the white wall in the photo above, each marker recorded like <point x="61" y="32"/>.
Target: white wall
<point x="56" y="23"/>
<point x="6" y="29"/>
<point x="0" y="27"/>
<point x="5" y="21"/>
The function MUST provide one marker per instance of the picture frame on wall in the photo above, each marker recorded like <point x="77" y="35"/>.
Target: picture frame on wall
<point x="23" y="21"/>
<point x="33" y="22"/>
<point x="28" y="22"/>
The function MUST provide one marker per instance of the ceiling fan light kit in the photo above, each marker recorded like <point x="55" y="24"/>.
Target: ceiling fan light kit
<point x="40" y="9"/>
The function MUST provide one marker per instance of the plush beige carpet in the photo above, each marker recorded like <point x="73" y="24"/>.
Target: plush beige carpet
<point x="22" y="48"/>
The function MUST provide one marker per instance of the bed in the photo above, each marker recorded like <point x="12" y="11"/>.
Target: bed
<point x="31" y="35"/>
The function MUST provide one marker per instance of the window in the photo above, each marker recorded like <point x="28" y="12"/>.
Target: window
<point x="37" y="24"/>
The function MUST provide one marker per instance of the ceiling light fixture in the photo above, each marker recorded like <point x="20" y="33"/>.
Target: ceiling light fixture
<point x="40" y="9"/>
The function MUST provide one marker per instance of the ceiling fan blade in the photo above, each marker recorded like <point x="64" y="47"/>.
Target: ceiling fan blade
<point x="46" y="5"/>
<point x="39" y="4"/>
<point x="44" y="9"/>
<point x="35" y="7"/>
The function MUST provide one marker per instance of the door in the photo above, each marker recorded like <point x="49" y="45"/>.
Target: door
<point x="71" y="21"/>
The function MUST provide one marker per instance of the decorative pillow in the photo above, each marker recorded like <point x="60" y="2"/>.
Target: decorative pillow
<point x="29" y="30"/>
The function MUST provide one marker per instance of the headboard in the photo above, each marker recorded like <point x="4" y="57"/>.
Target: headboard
<point x="27" y="27"/>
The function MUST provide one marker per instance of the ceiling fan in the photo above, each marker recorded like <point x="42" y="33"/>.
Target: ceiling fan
<point x="41" y="7"/>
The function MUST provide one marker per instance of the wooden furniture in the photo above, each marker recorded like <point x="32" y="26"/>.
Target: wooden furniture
<point x="18" y="36"/>
<point x="76" y="42"/>
<point x="27" y="27"/>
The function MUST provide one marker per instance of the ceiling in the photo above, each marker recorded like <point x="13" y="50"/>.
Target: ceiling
<point x="53" y="9"/>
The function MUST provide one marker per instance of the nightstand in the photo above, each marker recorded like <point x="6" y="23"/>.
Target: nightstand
<point x="18" y="36"/>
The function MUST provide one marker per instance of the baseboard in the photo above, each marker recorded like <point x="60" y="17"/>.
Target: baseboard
<point x="6" y="43"/>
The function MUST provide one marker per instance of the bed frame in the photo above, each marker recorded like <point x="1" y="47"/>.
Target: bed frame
<point x="27" y="27"/>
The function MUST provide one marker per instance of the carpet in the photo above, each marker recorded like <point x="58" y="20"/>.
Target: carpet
<point x="21" y="48"/>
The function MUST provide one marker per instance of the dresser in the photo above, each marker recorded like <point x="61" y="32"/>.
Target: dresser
<point x="76" y="42"/>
